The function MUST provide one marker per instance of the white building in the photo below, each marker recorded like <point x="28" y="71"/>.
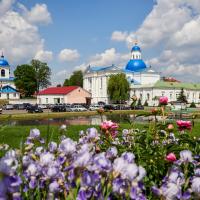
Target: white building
<point x="7" y="87"/>
<point x="145" y="83"/>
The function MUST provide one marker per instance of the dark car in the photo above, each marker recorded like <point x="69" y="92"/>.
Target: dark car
<point x="122" y="107"/>
<point x="109" y="107"/>
<point x="34" y="109"/>
<point x="27" y="105"/>
<point x="58" y="108"/>
<point x="138" y="108"/>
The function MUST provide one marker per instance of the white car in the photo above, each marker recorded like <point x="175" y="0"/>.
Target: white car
<point x="78" y="108"/>
<point x="95" y="107"/>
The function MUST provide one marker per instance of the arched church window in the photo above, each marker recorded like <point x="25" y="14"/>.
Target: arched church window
<point x="3" y="73"/>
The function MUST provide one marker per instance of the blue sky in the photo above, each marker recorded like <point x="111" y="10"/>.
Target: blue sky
<point x="71" y="34"/>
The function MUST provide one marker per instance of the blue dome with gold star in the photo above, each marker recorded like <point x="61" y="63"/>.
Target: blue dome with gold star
<point x="3" y="62"/>
<point x="136" y="65"/>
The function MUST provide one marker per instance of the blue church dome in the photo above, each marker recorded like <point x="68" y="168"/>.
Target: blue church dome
<point x="3" y="62"/>
<point x="136" y="48"/>
<point x="136" y="65"/>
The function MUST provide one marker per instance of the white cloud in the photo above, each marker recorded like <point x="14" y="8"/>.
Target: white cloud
<point x="173" y="29"/>
<point x="68" y="55"/>
<point x="106" y="58"/>
<point x="38" y="14"/>
<point x="44" y="56"/>
<point x="5" y="5"/>
<point x="119" y="36"/>
<point x="20" y="40"/>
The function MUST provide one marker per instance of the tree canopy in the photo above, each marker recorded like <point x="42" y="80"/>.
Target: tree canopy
<point x="182" y="97"/>
<point x="75" y="79"/>
<point x="118" y="88"/>
<point x="29" y="78"/>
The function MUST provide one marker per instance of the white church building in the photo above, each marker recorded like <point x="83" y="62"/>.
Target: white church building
<point x="145" y="83"/>
<point x="7" y="87"/>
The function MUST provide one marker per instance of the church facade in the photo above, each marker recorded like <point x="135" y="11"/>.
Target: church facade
<point x="145" y="83"/>
<point x="7" y="87"/>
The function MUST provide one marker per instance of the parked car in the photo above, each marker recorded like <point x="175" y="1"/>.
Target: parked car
<point x="107" y="107"/>
<point x="138" y="108"/>
<point x="68" y="107"/>
<point x="9" y="107"/>
<point x="43" y="106"/>
<point x="122" y="107"/>
<point x="77" y="107"/>
<point x="27" y="105"/>
<point x="58" y="108"/>
<point x="19" y="106"/>
<point x="95" y="107"/>
<point x="1" y="110"/>
<point x="34" y="109"/>
<point x="101" y="103"/>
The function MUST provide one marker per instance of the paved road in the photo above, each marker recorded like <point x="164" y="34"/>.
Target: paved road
<point x="20" y="111"/>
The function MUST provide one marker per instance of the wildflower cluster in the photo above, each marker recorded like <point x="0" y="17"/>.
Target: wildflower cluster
<point x="70" y="169"/>
<point x="183" y="179"/>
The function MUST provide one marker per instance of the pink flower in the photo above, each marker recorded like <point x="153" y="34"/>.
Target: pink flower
<point x="170" y="127"/>
<point x="182" y="125"/>
<point x="109" y="127"/>
<point x="163" y="100"/>
<point x="171" y="157"/>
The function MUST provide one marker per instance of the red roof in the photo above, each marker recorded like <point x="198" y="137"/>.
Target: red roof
<point x="57" y="90"/>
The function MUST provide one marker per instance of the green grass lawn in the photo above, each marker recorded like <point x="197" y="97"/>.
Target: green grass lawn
<point x="13" y="135"/>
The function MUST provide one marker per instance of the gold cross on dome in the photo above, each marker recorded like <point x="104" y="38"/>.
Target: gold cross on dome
<point x="136" y="41"/>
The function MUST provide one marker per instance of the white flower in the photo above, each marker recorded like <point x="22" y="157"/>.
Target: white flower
<point x="119" y="165"/>
<point x="54" y="187"/>
<point x="46" y="159"/>
<point x="67" y="146"/>
<point x="82" y="159"/>
<point x="196" y="185"/>
<point x="92" y="133"/>
<point x="52" y="146"/>
<point x="142" y="173"/>
<point x="171" y="192"/>
<point x="26" y="160"/>
<point x="52" y="171"/>
<point x="129" y="157"/>
<point x="130" y="172"/>
<point x="63" y="127"/>
<point x="186" y="156"/>
<point x="34" y="133"/>
<point x="38" y="150"/>
<point x="32" y="169"/>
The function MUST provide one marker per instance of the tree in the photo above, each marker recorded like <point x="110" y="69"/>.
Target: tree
<point x="75" y="79"/>
<point x="42" y="74"/>
<point x="25" y="80"/>
<point x="66" y="82"/>
<point x="118" y="88"/>
<point x="139" y="103"/>
<point x="192" y="105"/>
<point x="182" y="97"/>
<point x="29" y="78"/>
<point x="146" y="103"/>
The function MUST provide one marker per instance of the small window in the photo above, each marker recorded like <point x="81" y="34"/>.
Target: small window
<point x="14" y="94"/>
<point x="3" y="73"/>
<point x="0" y="94"/>
<point x="47" y="100"/>
<point x="170" y="96"/>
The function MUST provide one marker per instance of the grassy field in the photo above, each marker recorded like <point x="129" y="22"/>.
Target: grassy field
<point x="13" y="135"/>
